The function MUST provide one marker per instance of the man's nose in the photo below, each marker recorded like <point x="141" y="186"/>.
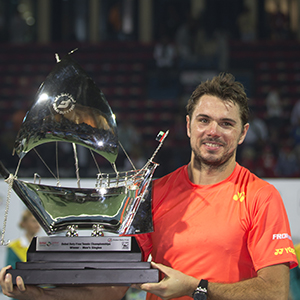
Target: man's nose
<point x="213" y="129"/>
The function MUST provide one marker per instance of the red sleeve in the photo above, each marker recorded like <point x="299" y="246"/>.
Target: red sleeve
<point x="269" y="238"/>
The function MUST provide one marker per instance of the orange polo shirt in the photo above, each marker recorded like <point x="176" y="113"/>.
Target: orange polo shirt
<point x="223" y="232"/>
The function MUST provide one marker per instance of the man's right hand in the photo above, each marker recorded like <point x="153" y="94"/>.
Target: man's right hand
<point x="18" y="291"/>
<point x="30" y="292"/>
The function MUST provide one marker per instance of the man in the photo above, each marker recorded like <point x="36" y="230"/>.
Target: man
<point x="214" y="221"/>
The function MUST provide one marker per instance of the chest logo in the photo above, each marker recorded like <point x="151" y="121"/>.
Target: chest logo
<point x="239" y="196"/>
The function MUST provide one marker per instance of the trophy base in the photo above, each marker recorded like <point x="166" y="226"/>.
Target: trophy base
<point x="58" y="265"/>
<point x="85" y="276"/>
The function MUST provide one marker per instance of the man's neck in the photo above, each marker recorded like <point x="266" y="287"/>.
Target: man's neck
<point x="204" y="175"/>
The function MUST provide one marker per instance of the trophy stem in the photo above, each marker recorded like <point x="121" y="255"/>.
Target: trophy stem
<point x="56" y="161"/>
<point x="76" y="165"/>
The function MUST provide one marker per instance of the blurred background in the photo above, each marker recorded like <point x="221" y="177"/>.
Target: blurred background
<point x="147" y="56"/>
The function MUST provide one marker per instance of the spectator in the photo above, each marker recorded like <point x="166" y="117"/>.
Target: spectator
<point x="266" y="163"/>
<point x="257" y="133"/>
<point x="295" y="123"/>
<point x="185" y="39"/>
<point x="164" y="53"/>
<point x="274" y="110"/>
<point x="246" y="25"/>
<point x="295" y="115"/>
<point x="287" y="165"/>
<point x="115" y="20"/>
<point x="248" y="158"/>
<point x="279" y="24"/>
<point x="128" y="135"/>
<point x="18" y="29"/>
<point x="17" y="249"/>
<point x="136" y="157"/>
<point x="165" y="57"/>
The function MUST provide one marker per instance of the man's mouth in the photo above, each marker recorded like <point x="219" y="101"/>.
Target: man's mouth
<point x="212" y="145"/>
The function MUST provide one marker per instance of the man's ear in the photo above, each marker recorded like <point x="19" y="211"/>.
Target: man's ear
<point x="243" y="134"/>
<point x="188" y="127"/>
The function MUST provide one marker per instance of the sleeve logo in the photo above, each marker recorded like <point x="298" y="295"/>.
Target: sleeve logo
<point x="281" y="251"/>
<point x="281" y="236"/>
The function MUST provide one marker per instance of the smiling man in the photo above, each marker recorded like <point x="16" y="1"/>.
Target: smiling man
<point x="214" y="220"/>
<point x="220" y="232"/>
<point x="215" y="129"/>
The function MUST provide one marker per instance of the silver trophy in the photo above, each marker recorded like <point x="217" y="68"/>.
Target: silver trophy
<point x="69" y="107"/>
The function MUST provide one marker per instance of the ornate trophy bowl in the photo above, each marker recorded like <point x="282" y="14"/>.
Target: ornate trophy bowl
<point x="69" y="107"/>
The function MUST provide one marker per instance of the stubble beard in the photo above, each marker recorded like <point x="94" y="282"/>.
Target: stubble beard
<point x="210" y="162"/>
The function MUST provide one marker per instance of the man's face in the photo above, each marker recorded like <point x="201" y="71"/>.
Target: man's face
<point x="215" y="131"/>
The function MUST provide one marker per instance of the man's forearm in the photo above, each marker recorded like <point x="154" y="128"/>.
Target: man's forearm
<point x="259" y="288"/>
<point x="245" y="290"/>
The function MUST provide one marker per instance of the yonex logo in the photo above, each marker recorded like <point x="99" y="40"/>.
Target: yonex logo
<point x="239" y="196"/>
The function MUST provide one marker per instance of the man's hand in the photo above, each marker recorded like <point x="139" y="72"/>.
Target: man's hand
<point x="31" y="292"/>
<point x="175" y="284"/>
<point x="19" y="291"/>
<point x="272" y="282"/>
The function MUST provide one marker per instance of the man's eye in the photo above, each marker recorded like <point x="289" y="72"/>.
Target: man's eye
<point x="203" y="120"/>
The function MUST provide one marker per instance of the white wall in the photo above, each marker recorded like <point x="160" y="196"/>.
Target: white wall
<point x="290" y="193"/>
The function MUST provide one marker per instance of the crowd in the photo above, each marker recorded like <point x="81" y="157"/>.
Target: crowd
<point x="272" y="146"/>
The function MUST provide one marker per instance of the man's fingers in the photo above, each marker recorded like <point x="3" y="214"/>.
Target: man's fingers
<point x="20" y="284"/>
<point x="136" y="286"/>
<point x="8" y="286"/>
<point x="3" y="272"/>
<point x="145" y="286"/>
<point x="149" y="286"/>
<point x="166" y="270"/>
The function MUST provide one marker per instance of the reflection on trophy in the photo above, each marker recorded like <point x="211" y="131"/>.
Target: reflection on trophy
<point x="69" y="107"/>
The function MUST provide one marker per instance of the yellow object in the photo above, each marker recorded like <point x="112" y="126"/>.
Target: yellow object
<point x="18" y="249"/>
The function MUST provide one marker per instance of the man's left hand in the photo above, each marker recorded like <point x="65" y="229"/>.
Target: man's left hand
<point x="175" y="284"/>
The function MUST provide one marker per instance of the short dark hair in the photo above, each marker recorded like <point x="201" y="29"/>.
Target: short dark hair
<point x="225" y="87"/>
